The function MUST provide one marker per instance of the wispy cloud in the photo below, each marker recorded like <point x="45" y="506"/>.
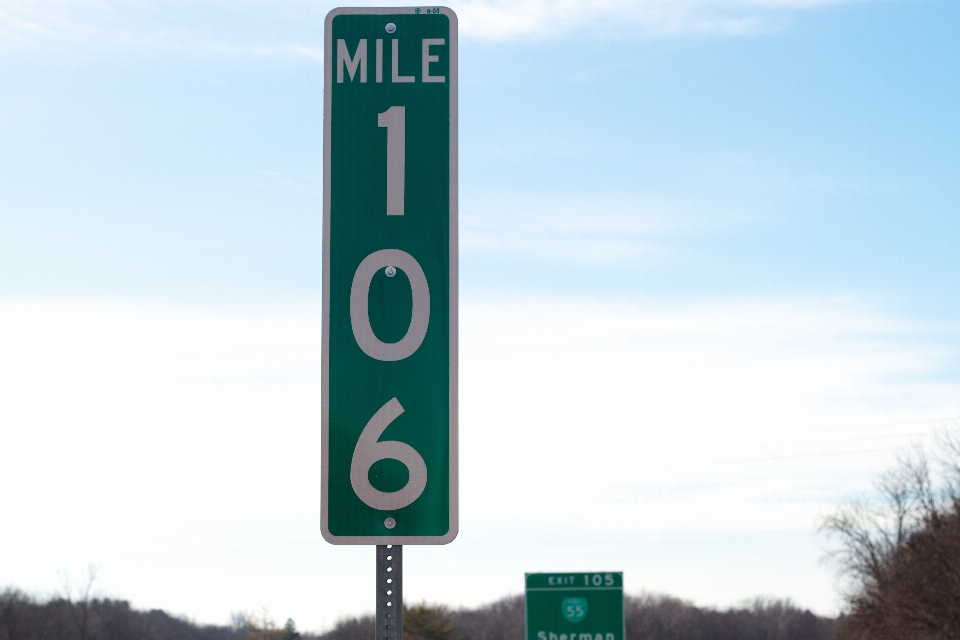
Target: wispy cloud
<point x="200" y="28"/>
<point x="596" y="229"/>
<point x="295" y="28"/>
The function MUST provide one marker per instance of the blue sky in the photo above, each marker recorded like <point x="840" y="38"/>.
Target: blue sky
<point x="708" y="263"/>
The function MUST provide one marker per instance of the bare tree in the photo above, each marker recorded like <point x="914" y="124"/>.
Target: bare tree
<point x="500" y="620"/>
<point x="360" y="628"/>
<point x="79" y="597"/>
<point x="900" y="555"/>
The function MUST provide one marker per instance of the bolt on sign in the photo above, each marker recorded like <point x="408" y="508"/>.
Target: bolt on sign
<point x="575" y="606"/>
<point x="389" y="399"/>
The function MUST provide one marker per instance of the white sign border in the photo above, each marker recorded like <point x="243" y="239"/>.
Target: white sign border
<point x="328" y="62"/>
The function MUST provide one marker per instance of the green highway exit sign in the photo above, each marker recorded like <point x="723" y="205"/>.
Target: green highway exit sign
<point x="575" y="606"/>
<point x="389" y="362"/>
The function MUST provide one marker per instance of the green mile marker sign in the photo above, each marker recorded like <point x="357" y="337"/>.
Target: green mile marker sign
<point x="575" y="606"/>
<point x="389" y="361"/>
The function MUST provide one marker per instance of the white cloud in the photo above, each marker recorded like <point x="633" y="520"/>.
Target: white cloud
<point x="295" y="29"/>
<point x="768" y="403"/>
<point x="515" y="19"/>
<point x="179" y="448"/>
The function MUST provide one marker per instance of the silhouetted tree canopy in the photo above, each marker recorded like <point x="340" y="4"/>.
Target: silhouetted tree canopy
<point x="425" y="622"/>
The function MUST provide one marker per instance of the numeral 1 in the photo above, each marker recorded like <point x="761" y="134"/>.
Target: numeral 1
<point x="394" y="119"/>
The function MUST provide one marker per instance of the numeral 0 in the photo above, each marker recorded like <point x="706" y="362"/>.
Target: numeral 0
<point x="360" y="310"/>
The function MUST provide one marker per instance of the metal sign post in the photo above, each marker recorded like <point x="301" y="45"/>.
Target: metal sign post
<point x="389" y="592"/>
<point x="575" y="606"/>
<point x="389" y="337"/>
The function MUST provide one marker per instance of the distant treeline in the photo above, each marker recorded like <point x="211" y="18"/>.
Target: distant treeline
<point x="25" y="618"/>
<point x="647" y="618"/>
